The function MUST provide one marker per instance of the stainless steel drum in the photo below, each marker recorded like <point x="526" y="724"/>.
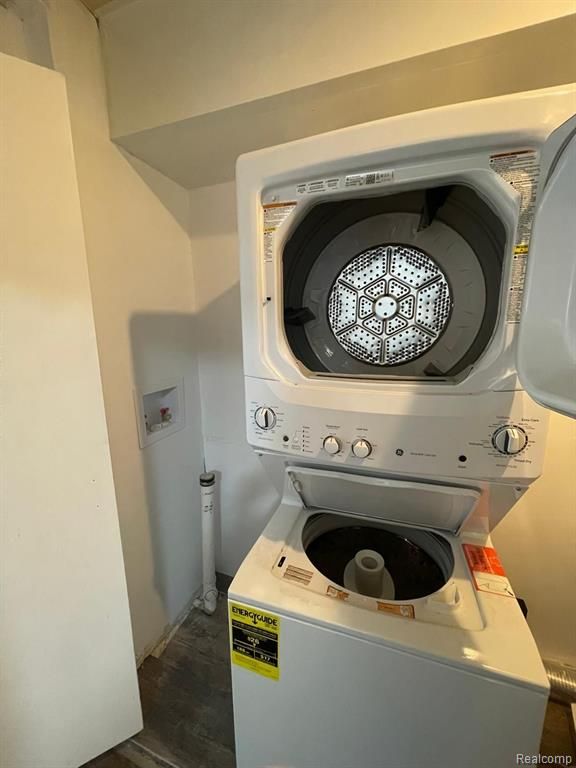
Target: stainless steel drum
<point x="389" y="305"/>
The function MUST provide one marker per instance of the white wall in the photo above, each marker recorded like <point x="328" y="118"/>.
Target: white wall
<point x="199" y="56"/>
<point x="68" y="678"/>
<point x="537" y="542"/>
<point x="141" y="278"/>
<point x="140" y="269"/>
<point x="24" y="31"/>
<point x="12" y="35"/>
<point x="246" y="496"/>
<point x="538" y="538"/>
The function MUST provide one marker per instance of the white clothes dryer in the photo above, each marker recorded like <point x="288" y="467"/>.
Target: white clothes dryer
<point x="383" y="270"/>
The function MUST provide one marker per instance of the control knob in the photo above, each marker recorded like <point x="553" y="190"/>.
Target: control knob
<point x="332" y="445"/>
<point x="265" y="418"/>
<point x="509" y="440"/>
<point x="361" y="448"/>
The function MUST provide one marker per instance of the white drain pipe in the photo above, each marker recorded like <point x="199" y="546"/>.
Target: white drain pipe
<point x="209" y="592"/>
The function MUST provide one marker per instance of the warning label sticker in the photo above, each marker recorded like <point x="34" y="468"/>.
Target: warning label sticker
<point x="339" y="594"/>
<point x="274" y="215"/>
<point x="406" y="611"/>
<point x="254" y="636"/>
<point x="487" y="570"/>
<point x="520" y="169"/>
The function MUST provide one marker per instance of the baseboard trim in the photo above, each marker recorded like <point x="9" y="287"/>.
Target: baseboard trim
<point x="158" y="647"/>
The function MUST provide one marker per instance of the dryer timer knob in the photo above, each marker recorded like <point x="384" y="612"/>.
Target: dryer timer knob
<point x="510" y="440"/>
<point x="265" y="418"/>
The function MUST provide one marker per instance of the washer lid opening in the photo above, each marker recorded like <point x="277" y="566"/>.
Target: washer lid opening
<point x="378" y="560"/>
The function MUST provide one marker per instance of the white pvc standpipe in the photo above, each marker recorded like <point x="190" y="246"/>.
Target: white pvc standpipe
<point x="208" y="497"/>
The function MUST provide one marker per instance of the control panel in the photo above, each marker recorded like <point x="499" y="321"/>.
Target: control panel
<point x="495" y="435"/>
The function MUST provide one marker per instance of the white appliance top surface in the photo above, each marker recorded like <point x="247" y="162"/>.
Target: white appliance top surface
<point x="444" y="595"/>
<point x="503" y="648"/>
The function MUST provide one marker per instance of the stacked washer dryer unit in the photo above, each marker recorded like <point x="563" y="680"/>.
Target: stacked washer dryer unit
<point x="388" y="357"/>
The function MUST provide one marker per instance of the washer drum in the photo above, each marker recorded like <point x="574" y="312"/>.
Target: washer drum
<point x="417" y="562"/>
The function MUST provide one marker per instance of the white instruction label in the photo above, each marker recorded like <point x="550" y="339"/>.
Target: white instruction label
<point x="369" y="178"/>
<point x="520" y="169"/>
<point x="352" y="180"/>
<point x="318" y="185"/>
<point x="274" y="215"/>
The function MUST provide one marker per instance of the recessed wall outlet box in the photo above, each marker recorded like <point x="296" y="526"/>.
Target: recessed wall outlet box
<point x="159" y="412"/>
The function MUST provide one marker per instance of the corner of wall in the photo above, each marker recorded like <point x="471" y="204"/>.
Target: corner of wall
<point x="140" y="267"/>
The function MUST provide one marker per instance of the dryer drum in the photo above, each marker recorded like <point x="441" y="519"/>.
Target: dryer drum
<point x="394" y="286"/>
<point x="389" y="304"/>
<point x="419" y="562"/>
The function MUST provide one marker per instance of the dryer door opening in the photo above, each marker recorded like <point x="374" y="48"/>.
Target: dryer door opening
<point x="404" y="285"/>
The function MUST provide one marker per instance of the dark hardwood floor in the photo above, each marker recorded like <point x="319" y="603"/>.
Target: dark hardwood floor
<point x="187" y="703"/>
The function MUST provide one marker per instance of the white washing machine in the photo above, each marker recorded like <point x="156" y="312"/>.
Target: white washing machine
<point x="409" y="305"/>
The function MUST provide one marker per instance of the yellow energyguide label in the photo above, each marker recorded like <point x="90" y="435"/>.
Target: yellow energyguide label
<point x="254" y="639"/>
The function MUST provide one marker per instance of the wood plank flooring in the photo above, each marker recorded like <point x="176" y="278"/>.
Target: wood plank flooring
<point x="187" y="702"/>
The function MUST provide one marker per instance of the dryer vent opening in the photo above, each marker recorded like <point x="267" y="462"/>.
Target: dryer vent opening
<point x="404" y="285"/>
<point x="408" y="562"/>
